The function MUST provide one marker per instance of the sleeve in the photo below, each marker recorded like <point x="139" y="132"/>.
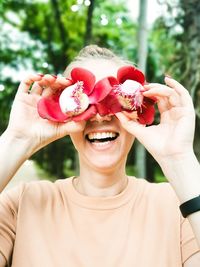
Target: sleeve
<point x="189" y="244"/>
<point x="9" y="202"/>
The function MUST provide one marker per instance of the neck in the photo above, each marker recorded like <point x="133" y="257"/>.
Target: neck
<point x="101" y="184"/>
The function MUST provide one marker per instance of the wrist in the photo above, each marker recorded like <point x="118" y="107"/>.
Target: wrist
<point x="13" y="153"/>
<point x="183" y="173"/>
<point x="179" y="158"/>
<point x="18" y="142"/>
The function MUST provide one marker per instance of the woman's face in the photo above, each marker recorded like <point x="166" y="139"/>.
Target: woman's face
<point x="103" y="144"/>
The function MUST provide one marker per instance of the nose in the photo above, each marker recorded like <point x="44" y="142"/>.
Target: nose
<point x="99" y="118"/>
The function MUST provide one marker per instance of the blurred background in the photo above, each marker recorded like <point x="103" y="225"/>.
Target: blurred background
<point x="43" y="36"/>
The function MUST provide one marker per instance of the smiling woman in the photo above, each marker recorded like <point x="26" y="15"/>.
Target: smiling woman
<point x="102" y="217"/>
<point x="85" y="96"/>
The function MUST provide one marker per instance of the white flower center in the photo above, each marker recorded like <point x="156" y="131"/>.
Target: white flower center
<point x="72" y="100"/>
<point x="66" y="101"/>
<point x="131" y="87"/>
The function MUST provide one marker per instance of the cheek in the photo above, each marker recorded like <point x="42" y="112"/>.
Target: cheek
<point x="77" y="140"/>
<point x="129" y="140"/>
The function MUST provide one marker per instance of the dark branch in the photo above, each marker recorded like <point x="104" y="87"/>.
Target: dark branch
<point x="88" y="32"/>
<point x="62" y="31"/>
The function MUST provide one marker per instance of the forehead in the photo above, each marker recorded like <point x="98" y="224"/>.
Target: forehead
<point x="101" y="68"/>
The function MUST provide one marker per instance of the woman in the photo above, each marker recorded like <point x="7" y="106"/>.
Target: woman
<point x="102" y="217"/>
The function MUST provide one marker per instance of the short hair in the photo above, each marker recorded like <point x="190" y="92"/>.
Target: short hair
<point x="95" y="52"/>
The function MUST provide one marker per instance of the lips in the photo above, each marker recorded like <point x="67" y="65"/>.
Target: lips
<point x="101" y="136"/>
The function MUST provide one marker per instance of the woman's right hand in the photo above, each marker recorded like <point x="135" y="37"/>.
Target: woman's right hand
<point x="25" y="122"/>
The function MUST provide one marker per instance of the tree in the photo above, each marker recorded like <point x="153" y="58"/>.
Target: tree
<point x="189" y="57"/>
<point x="88" y="31"/>
<point x="185" y="64"/>
<point x="142" y="58"/>
<point x="44" y="37"/>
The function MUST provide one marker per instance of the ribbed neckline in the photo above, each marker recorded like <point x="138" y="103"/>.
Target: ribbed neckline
<point x="99" y="203"/>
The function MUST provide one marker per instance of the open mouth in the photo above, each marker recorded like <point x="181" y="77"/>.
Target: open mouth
<point x="101" y="137"/>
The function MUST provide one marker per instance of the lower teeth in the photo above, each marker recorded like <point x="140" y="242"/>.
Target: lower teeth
<point x="101" y="143"/>
<point x="102" y="140"/>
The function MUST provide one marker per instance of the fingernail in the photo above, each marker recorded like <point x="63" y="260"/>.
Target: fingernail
<point x="54" y="75"/>
<point x="41" y="75"/>
<point x="168" y="76"/>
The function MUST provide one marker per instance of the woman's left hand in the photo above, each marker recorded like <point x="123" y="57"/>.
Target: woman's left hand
<point x="173" y="136"/>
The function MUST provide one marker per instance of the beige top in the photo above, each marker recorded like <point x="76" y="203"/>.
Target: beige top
<point x="52" y="225"/>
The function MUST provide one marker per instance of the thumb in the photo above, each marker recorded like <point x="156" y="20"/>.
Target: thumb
<point x="131" y="126"/>
<point x="71" y="127"/>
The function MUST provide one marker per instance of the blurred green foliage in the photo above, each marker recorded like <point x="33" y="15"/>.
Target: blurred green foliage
<point x="44" y="36"/>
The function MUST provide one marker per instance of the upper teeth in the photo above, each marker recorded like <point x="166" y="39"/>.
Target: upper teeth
<point x="101" y="135"/>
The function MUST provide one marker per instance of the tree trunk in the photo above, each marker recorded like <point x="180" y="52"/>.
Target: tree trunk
<point x="142" y="36"/>
<point x="51" y="55"/>
<point x="88" y="32"/>
<point x="63" y="33"/>
<point x="142" y="57"/>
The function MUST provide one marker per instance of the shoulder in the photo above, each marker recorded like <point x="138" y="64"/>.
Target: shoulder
<point x="155" y="189"/>
<point x="158" y="195"/>
<point x="36" y="192"/>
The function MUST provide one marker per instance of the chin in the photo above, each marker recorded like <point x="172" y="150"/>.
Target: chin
<point x="106" y="163"/>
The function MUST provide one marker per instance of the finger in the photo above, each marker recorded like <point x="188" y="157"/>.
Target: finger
<point x="62" y="82"/>
<point x="55" y="83"/>
<point x="36" y="89"/>
<point x="164" y="91"/>
<point x="152" y="85"/>
<point x="129" y="125"/>
<point x="47" y="91"/>
<point x="26" y="83"/>
<point x="140" y="131"/>
<point x="47" y="80"/>
<point x="163" y="104"/>
<point x="48" y="85"/>
<point x="71" y="127"/>
<point x="124" y="119"/>
<point x="160" y="89"/>
<point x="182" y="91"/>
<point x="131" y="115"/>
<point x="176" y="85"/>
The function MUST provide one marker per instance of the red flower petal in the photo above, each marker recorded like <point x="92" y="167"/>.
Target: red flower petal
<point x="88" y="78"/>
<point x="49" y="108"/>
<point x="130" y="73"/>
<point x="102" y="89"/>
<point x="109" y="105"/>
<point x="147" y="115"/>
<point x="86" y="115"/>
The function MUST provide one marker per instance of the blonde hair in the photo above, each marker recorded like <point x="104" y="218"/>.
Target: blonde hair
<point x="95" y="52"/>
